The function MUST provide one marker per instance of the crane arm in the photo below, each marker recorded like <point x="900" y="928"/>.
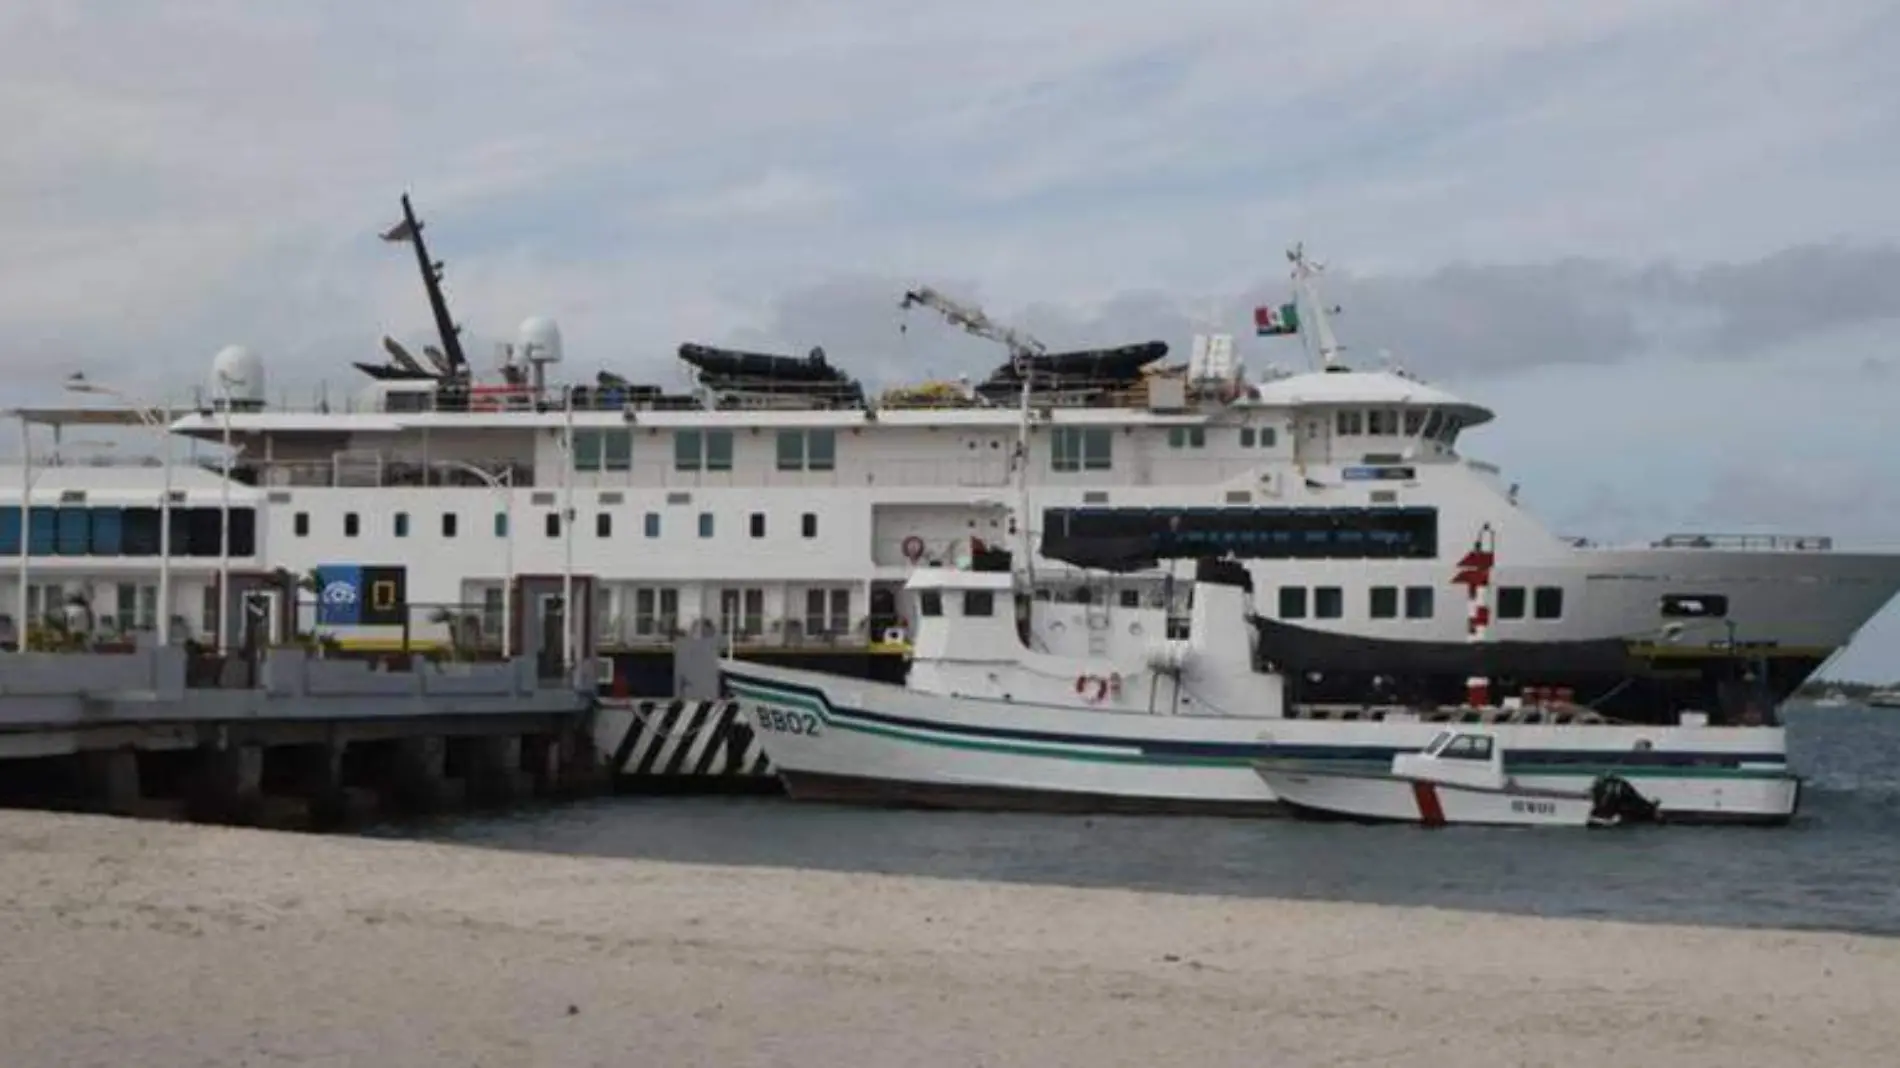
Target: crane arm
<point x="973" y="320"/>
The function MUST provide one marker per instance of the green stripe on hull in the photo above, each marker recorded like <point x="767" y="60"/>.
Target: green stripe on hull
<point x="751" y="691"/>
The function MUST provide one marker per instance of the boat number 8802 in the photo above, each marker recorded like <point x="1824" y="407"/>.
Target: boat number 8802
<point x="780" y="721"/>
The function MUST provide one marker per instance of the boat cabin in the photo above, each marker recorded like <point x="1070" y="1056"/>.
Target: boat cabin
<point x="1460" y="758"/>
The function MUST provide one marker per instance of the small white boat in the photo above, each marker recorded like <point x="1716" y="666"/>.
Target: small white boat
<point x="1458" y="778"/>
<point x="1885" y="698"/>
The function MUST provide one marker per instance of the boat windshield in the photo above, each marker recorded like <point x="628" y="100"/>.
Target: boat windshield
<point x="1438" y="743"/>
<point x="1467" y="747"/>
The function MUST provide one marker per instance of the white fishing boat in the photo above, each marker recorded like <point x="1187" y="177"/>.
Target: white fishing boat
<point x="1883" y="698"/>
<point x="984" y="721"/>
<point x="1458" y="779"/>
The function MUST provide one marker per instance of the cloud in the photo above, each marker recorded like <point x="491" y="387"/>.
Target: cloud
<point x="1602" y="214"/>
<point x="1458" y="319"/>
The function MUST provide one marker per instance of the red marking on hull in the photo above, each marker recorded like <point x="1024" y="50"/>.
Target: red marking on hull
<point x="1430" y="812"/>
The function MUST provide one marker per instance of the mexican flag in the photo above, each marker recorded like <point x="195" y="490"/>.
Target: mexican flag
<point x="1272" y="322"/>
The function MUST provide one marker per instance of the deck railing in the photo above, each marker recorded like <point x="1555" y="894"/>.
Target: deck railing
<point x="1811" y="543"/>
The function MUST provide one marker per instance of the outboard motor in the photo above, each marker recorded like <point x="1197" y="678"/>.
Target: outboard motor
<point x="1614" y="802"/>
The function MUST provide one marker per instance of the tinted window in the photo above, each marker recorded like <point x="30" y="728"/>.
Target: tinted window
<point x="1329" y="602"/>
<point x="1510" y="602"/>
<point x="1383" y="602"/>
<point x="1548" y="602"/>
<point x="1293" y="602"/>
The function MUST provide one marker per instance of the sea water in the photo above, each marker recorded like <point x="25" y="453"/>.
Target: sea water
<point x="1836" y="867"/>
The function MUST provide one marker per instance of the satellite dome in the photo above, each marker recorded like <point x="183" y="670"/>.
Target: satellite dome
<point x="539" y="340"/>
<point x="238" y="373"/>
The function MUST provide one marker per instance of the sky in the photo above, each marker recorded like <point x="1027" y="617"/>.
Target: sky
<point x="1660" y="237"/>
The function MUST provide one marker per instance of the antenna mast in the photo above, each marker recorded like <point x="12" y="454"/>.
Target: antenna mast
<point x="1306" y="292"/>
<point x="410" y="230"/>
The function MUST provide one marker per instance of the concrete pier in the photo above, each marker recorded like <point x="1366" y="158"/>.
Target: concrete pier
<point x="315" y="743"/>
<point x="495" y="774"/>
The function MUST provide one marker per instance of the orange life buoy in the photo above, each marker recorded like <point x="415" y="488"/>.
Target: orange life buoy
<point x="913" y="548"/>
<point x="1092" y="687"/>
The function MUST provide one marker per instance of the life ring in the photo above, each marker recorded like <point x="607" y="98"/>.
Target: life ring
<point x="913" y="548"/>
<point x="1092" y="688"/>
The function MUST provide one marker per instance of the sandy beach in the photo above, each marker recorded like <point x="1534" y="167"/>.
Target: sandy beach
<point x="166" y="944"/>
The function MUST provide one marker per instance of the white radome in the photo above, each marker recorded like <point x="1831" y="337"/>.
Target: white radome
<point x="239" y="371"/>
<point x="539" y="339"/>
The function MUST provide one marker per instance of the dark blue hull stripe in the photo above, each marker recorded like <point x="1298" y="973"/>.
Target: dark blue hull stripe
<point x="1244" y="751"/>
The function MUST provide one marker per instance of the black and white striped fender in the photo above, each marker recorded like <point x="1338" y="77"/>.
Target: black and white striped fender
<point x="679" y="738"/>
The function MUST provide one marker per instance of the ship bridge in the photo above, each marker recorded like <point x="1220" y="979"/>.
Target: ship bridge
<point x="1360" y="411"/>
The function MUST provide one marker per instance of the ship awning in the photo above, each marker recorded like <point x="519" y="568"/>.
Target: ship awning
<point x="79" y="416"/>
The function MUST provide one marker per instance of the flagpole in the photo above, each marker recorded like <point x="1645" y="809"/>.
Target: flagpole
<point x="568" y="627"/>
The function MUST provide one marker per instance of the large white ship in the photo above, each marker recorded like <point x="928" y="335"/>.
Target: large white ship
<point x="778" y="504"/>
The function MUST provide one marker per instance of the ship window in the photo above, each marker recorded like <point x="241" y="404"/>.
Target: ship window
<point x="1246" y="437"/>
<point x="807" y="450"/>
<point x="42" y="531"/>
<point x="705" y="524"/>
<point x="1510" y="602"/>
<point x="1329" y="602"/>
<point x="709" y="450"/>
<point x="757" y="524"/>
<point x="616" y="452"/>
<point x="1548" y="602"/>
<point x="1264" y="532"/>
<point x="653" y="524"/>
<point x="1192" y="437"/>
<point x="141" y="533"/>
<point x="1414" y="422"/>
<point x="688" y="448"/>
<point x="551" y="523"/>
<point x="1129" y="598"/>
<point x="791" y="450"/>
<point x="243" y="532"/>
<point x="401" y="524"/>
<point x="1467" y="747"/>
<point x="1694" y="605"/>
<point x="821" y="450"/>
<point x="1418" y="602"/>
<point x="1075" y="448"/>
<point x="979" y="603"/>
<point x="1293" y="602"/>
<point x="501" y="524"/>
<point x="1376" y="422"/>
<point x="718" y="450"/>
<point x="587" y="450"/>
<point x="603" y="524"/>
<point x="808" y="524"/>
<point x="74" y="535"/>
<point x="1350" y="422"/>
<point x="827" y="611"/>
<point x="300" y="524"/>
<point x="448" y="524"/>
<point x="930" y="603"/>
<point x="351" y="524"/>
<point x="1383" y="602"/>
<point x="108" y="531"/>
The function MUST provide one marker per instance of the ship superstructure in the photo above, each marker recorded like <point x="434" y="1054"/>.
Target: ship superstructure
<point x="782" y="505"/>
